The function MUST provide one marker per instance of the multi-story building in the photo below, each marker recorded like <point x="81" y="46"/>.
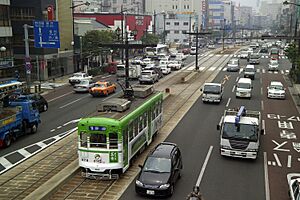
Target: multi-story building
<point x="215" y="14"/>
<point x="114" y="6"/>
<point x="161" y="8"/>
<point x="46" y="62"/>
<point x="6" y="52"/>
<point x="245" y="18"/>
<point x="176" y="28"/>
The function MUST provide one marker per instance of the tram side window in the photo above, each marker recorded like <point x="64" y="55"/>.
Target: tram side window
<point x="113" y="140"/>
<point x="83" y="139"/>
<point x="153" y="112"/>
<point x="141" y="123"/>
<point x="136" y="127"/>
<point x="145" y="119"/>
<point x="98" y="140"/>
<point x="130" y="131"/>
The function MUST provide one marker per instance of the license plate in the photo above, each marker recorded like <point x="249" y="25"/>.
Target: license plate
<point x="151" y="192"/>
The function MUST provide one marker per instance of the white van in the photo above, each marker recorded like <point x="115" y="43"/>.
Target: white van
<point x="249" y="72"/>
<point x="212" y="92"/>
<point x="244" y="88"/>
<point x="193" y="51"/>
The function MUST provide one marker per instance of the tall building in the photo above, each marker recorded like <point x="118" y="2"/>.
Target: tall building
<point x="245" y="18"/>
<point x="114" y="6"/>
<point x="215" y="14"/>
<point x="6" y="52"/>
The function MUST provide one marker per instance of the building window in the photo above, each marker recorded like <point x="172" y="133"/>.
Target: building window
<point x="124" y="1"/>
<point x="184" y="31"/>
<point x="188" y="6"/>
<point x="167" y="32"/>
<point x="114" y="10"/>
<point x="114" y="1"/>
<point x="185" y="23"/>
<point x="176" y="32"/>
<point x="167" y="23"/>
<point x="184" y="7"/>
<point x="4" y="16"/>
<point x="22" y="13"/>
<point x="176" y="23"/>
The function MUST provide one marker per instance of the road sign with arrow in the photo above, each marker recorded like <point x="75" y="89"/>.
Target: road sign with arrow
<point x="46" y="34"/>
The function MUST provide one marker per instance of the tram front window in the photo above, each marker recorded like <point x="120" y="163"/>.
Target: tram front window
<point x="98" y="140"/>
<point x="83" y="139"/>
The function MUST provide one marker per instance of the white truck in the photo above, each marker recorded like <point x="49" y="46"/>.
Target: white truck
<point x="135" y="71"/>
<point x="240" y="132"/>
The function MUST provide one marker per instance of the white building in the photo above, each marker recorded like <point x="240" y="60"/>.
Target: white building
<point x="176" y="27"/>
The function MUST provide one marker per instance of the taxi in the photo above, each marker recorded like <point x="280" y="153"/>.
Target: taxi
<point x="102" y="88"/>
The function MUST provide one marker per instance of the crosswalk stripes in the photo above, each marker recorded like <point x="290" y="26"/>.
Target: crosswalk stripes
<point x="258" y="70"/>
<point x="263" y="71"/>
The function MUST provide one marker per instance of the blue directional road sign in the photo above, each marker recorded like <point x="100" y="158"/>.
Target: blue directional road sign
<point x="46" y="34"/>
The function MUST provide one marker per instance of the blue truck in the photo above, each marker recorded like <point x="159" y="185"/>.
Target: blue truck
<point x="17" y="118"/>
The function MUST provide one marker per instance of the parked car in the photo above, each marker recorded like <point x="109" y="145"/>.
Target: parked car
<point x="84" y="86"/>
<point x="161" y="170"/>
<point x="276" y="90"/>
<point x="294" y="185"/>
<point x="39" y="100"/>
<point x="102" y="88"/>
<point x="148" y="76"/>
<point x="273" y="65"/>
<point x="77" y="77"/>
<point x="233" y="65"/>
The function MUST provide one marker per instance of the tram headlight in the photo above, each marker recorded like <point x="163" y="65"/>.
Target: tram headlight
<point x="139" y="183"/>
<point x="164" y="186"/>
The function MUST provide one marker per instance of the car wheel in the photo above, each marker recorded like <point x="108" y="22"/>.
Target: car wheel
<point x="171" y="189"/>
<point x="45" y="107"/>
<point x="33" y="128"/>
<point x="7" y="140"/>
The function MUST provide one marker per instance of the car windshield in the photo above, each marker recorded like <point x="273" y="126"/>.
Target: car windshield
<point x="158" y="165"/>
<point x="100" y="85"/>
<point x="146" y="73"/>
<point x="247" y="132"/>
<point x="254" y="56"/>
<point x="78" y="75"/>
<point x="249" y="69"/>
<point x="212" y="89"/>
<point x="276" y="87"/>
<point x="233" y="62"/>
<point x="244" y="85"/>
<point x="84" y="82"/>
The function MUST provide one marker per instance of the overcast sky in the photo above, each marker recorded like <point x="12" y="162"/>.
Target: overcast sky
<point x="253" y="3"/>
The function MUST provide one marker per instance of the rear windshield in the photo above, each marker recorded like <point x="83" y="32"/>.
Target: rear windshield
<point x="146" y="73"/>
<point x="233" y="62"/>
<point x="244" y="85"/>
<point x="254" y="56"/>
<point x="249" y="69"/>
<point x="212" y="89"/>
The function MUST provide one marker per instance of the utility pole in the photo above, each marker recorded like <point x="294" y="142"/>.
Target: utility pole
<point x="28" y="65"/>
<point x="223" y="38"/>
<point x="197" y="34"/>
<point x="154" y="22"/>
<point x="122" y="32"/>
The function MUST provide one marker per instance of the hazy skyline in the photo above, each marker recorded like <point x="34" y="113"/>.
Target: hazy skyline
<point x="253" y="3"/>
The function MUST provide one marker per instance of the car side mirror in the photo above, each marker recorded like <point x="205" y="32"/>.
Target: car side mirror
<point x="141" y="166"/>
<point x="218" y="127"/>
<point x="201" y="89"/>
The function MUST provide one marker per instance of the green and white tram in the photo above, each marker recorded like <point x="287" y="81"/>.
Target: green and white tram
<point x="108" y="142"/>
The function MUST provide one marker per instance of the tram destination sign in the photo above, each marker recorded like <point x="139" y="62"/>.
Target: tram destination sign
<point x="46" y="34"/>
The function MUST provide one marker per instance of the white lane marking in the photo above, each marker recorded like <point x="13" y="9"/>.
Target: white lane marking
<point x="282" y="72"/>
<point x="258" y="70"/>
<point x="224" y="69"/>
<point x="210" y="55"/>
<point x="52" y="130"/>
<point x="60" y="96"/>
<point x="264" y="126"/>
<point x="201" y="68"/>
<point x="262" y="105"/>
<point x="212" y="68"/>
<point x="204" y="166"/>
<point x="24" y="153"/>
<point x="4" y="162"/>
<point x="237" y="78"/>
<point x="41" y="144"/>
<point x="261" y="91"/>
<point x="277" y="160"/>
<point x="72" y="122"/>
<point x="73" y="101"/>
<point x="263" y="71"/>
<point x="287" y="71"/>
<point x="228" y="102"/>
<point x="241" y="70"/>
<point x="218" y="55"/>
<point x="233" y="88"/>
<point x="289" y="164"/>
<point x="260" y="80"/>
<point x="59" y="127"/>
<point x="276" y="72"/>
<point x="267" y="187"/>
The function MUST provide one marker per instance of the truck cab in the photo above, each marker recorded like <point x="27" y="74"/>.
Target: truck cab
<point x="212" y="92"/>
<point x="240" y="133"/>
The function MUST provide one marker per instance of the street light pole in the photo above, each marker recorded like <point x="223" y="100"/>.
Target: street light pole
<point x="164" y="34"/>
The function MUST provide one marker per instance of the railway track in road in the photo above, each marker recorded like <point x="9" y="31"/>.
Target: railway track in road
<point x="80" y="188"/>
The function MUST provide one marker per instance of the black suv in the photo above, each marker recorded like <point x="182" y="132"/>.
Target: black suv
<point x="160" y="171"/>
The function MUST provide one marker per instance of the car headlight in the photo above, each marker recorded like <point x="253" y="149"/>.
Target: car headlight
<point x="164" y="186"/>
<point x="252" y="150"/>
<point x="139" y="183"/>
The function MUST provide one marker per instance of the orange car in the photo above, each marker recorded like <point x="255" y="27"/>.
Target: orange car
<point x="102" y="88"/>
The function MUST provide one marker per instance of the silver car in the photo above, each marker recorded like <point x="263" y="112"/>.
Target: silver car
<point x="84" y="86"/>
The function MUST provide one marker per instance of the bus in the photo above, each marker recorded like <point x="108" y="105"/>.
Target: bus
<point x="274" y="53"/>
<point x="8" y="86"/>
<point x="158" y="50"/>
<point x="107" y="143"/>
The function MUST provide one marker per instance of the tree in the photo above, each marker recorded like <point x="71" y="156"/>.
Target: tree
<point x="292" y="54"/>
<point x="94" y="38"/>
<point x="149" y="38"/>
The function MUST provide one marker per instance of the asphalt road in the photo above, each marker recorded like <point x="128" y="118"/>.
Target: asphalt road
<point x="228" y="178"/>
